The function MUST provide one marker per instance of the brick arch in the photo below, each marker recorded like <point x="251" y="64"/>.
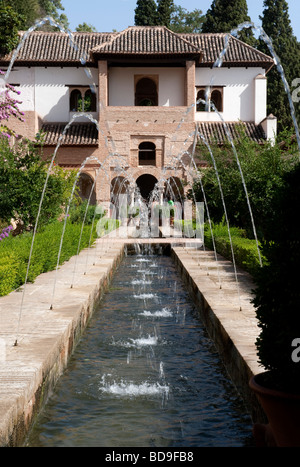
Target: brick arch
<point x="85" y="184"/>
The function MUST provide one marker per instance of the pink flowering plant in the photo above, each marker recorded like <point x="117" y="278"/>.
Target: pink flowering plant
<point x="5" y="232"/>
<point x="9" y="107"/>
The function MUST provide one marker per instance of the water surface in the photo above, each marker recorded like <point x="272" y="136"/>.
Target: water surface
<point x="145" y="373"/>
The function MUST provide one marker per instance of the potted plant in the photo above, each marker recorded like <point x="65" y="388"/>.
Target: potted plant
<point x="277" y="303"/>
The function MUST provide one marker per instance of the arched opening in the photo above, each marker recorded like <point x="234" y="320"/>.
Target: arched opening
<point x="85" y="184"/>
<point x="216" y="98"/>
<point x="146" y="184"/>
<point x="146" y="93"/>
<point x="118" y="186"/>
<point x="147" y="154"/>
<point x="174" y="189"/>
<point x="90" y="102"/>
<point x="201" y="105"/>
<point x="75" y="101"/>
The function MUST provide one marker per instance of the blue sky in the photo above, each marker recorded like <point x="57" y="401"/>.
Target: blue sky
<point x="107" y="15"/>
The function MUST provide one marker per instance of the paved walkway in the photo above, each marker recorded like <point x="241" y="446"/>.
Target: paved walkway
<point x="45" y="337"/>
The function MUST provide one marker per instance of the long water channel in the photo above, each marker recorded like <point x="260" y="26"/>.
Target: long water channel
<point x="145" y="373"/>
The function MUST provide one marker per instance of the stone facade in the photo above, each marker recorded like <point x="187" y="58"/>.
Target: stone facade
<point x="146" y="81"/>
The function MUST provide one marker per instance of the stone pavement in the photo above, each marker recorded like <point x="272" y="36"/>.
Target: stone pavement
<point x="45" y="337"/>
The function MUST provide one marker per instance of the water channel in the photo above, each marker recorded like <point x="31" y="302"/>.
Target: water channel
<point x="145" y="373"/>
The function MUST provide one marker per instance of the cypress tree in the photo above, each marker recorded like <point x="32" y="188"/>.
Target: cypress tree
<point x="277" y="25"/>
<point x="165" y="9"/>
<point x="225" y="15"/>
<point x="145" y="13"/>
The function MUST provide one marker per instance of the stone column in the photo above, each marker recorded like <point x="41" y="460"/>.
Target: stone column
<point x="190" y="83"/>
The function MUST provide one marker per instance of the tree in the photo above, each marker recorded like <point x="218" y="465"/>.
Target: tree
<point x="32" y="10"/>
<point x="184" y="21"/>
<point x="84" y="27"/>
<point x="22" y="177"/>
<point x="225" y="15"/>
<point x="145" y="13"/>
<point x="277" y="25"/>
<point x="164" y="12"/>
<point x="10" y="24"/>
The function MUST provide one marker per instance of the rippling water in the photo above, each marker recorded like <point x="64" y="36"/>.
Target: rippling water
<point x="145" y="373"/>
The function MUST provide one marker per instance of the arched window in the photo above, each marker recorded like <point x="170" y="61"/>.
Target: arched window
<point x="216" y="98"/>
<point x="75" y="101"/>
<point x="201" y="105"/>
<point x="147" y="154"/>
<point x="90" y="104"/>
<point x="146" y="93"/>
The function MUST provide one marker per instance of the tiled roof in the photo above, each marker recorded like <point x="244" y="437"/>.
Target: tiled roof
<point x="237" y="52"/>
<point x="147" y="40"/>
<point x="54" y="48"/>
<point x="78" y="134"/>
<point x="214" y="132"/>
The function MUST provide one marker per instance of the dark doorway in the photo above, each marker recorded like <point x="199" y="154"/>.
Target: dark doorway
<point x="146" y="184"/>
<point x="146" y="93"/>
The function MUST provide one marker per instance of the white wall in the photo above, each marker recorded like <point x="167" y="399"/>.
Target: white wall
<point x="170" y="87"/>
<point x="238" y="92"/>
<point x="26" y="78"/>
<point x="46" y="90"/>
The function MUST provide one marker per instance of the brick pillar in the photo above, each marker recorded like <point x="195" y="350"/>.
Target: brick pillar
<point x="190" y="83"/>
<point x="103" y="82"/>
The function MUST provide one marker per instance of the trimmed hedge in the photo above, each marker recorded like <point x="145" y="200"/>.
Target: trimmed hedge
<point x="14" y="253"/>
<point x="244" y="249"/>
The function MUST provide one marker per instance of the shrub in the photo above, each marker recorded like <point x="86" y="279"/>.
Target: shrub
<point x="14" y="253"/>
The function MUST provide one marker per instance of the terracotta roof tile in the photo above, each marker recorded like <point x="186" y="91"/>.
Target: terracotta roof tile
<point x="237" y="52"/>
<point x="147" y="40"/>
<point x="78" y="134"/>
<point x="54" y="48"/>
<point x="214" y="132"/>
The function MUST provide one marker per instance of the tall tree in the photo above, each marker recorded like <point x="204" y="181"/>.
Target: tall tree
<point x="277" y="25"/>
<point x="225" y="15"/>
<point x="164" y="12"/>
<point x="145" y="13"/>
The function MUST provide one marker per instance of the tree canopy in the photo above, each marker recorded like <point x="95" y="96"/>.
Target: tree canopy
<point x="146" y="13"/>
<point x="277" y="25"/>
<point x="225" y="15"/>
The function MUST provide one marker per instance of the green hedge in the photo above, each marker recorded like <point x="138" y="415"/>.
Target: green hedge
<point x="14" y="253"/>
<point x="244" y="249"/>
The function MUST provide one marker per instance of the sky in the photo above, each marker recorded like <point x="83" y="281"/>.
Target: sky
<point x="107" y="15"/>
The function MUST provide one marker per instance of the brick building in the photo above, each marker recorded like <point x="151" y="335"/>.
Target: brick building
<point x="139" y="88"/>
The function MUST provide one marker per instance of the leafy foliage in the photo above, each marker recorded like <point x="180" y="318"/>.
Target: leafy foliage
<point x="21" y="169"/>
<point x="10" y="24"/>
<point x="184" y="21"/>
<point x="263" y="168"/>
<point x="31" y="10"/>
<point x="14" y="253"/>
<point x="277" y="294"/>
<point x="164" y="12"/>
<point x="276" y="23"/>
<point x="146" y="13"/>
<point x="225" y="15"/>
